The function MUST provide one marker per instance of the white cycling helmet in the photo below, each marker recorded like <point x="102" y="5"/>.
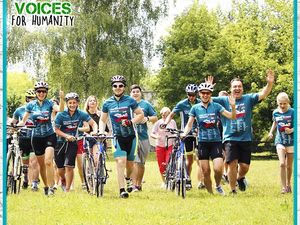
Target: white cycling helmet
<point x="206" y="86"/>
<point x="191" y="88"/>
<point x="41" y="84"/>
<point x="118" y="78"/>
<point x="72" y="95"/>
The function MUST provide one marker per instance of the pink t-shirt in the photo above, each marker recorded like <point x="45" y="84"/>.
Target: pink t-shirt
<point x="162" y="133"/>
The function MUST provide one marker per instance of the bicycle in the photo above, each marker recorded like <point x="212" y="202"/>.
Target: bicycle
<point x="176" y="172"/>
<point x="14" y="163"/>
<point x="95" y="176"/>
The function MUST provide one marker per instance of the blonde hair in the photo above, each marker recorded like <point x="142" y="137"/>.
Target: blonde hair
<point x="165" y="109"/>
<point x="86" y="104"/>
<point x="282" y="96"/>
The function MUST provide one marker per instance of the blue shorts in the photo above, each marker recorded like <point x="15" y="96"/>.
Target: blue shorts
<point x="125" y="147"/>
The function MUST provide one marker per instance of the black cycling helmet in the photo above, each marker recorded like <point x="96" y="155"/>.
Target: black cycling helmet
<point x="191" y="88"/>
<point x="41" y="84"/>
<point x="30" y="93"/>
<point x="118" y="78"/>
<point x="72" y="95"/>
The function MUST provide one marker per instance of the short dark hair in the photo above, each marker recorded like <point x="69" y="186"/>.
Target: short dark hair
<point x="135" y="86"/>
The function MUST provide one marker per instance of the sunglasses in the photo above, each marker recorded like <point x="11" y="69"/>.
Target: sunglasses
<point x="191" y="94"/>
<point x="41" y="91"/>
<point x="118" y="86"/>
<point x="205" y="93"/>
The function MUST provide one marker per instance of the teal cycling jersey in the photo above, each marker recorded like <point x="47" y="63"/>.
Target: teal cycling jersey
<point x="41" y="116"/>
<point x="18" y="115"/>
<point x="70" y="124"/>
<point x="239" y="129"/>
<point x="183" y="108"/>
<point x="207" y="119"/>
<point x="283" y="121"/>
<point x="148" y="110"/>
<point x="118" y="111"/>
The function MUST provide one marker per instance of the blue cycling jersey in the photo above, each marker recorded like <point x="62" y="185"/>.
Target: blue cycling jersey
<point x="41" y="116"/>
<point x="69" y="124"/>
<point x="18" y="115"/>
<point x="148" y="110"/>
<point x="119" y="110"/>
<point x="207" y="119"/>
<point x="239" y="129"/>
<point x="284" y="120"/>
<point x="183" y="108"/>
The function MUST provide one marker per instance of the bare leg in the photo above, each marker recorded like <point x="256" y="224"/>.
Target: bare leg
<point x="206" y="171"/>
<point x="121" y="164"/>
<point x="289" y="167"/>
<point x="41" y="162"/>
<point x="282" y="165"/>
<point x="49" y="155"/>
<point x="79" y="167"/>
<point x="69" y="177"/>
<point x="218" y="170"/>
<point x="232" y="173"/>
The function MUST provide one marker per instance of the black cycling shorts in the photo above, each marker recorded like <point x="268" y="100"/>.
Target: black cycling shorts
<point x="208" y="150"/>
<point x="39" y="144"/>
<point x="190" y="144"/>
<point x="25" y="146"/>
<point x="238" y="150"/>
<point x="65" y="154"/>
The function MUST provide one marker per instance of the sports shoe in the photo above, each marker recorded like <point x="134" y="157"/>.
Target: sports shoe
<point x="137" y="188"/>
<point x="83" y="186"/>
<point x="129" y="184"/>
<point x="188" y="185"/>
<point x="241" y="184"/>
<point x="163" y="185"/>
<point x="124" y="194"/>
<point x="283" y="190"/>
<point x="288" y="189"/>
<point x="220" y="190"/>
<point x="50" y="191"/>
<point x="34" y="186"/>
<point x="201" y="186"/>
<point x="233" y="193"/>
<point x="25" y="184"/>
<point x="46" y="189"/>
<point x="225" y="179"/>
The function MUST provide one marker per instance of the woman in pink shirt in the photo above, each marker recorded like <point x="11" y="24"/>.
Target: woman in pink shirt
<point x="163" y="153"/>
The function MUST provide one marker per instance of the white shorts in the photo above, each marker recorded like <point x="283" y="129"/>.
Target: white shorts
<point x="287" y="149"/>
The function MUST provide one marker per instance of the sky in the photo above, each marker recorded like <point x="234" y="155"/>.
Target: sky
<point x="174" y="10"/>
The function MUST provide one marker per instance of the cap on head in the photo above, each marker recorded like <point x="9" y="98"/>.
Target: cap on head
<point x="72" y="95"/>
<point x="41" y="84"/>
<point x="118" y="78"/>
<point x="191" y="88"/>
<point x="206" y="86"/>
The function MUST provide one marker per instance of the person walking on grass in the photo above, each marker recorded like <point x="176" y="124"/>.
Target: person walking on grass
<point x="183" y="108"/>
<point x="142" y="130"/>
<point x="67" y="128"/>
<point x="207" y="114"/>
<point x="163" y="149"/>
<point x="124" y="114"/>
<point x="237" y="134"/>
<point x="283" y="120"/>
<point x="43" y="139"/>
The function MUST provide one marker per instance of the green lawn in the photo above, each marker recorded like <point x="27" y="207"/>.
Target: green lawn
<point x="262" y="203"/>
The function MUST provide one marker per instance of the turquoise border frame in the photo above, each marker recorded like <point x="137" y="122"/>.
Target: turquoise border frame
<point x="4" y="77"/>
<point x="295" y="116"/>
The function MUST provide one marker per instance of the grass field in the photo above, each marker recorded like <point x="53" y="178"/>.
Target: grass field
<point x="262" y="203"/>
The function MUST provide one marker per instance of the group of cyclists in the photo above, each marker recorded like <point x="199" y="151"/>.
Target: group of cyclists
<point x="58" y="130"/>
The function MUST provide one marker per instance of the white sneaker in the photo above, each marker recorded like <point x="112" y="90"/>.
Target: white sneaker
<point x="220" y="190"/>
<point x="163" y="185"/>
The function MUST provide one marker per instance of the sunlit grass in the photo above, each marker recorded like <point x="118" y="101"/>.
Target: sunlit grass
<point x="262" y="203"/>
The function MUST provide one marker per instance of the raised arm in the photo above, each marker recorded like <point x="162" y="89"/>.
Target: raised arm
<point x="230" y="115"/>
<point x="268" y="88"/>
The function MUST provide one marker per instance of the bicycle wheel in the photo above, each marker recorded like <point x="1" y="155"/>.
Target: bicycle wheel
<point x="178" y="175"/>
<point x="100" y="176"/>
<point x="9" y="171"/>
<point x="170" y="173"/>
<point x="88" y="173"/>
<point x="183" y="177"/>
<point x="18" y="175"/>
